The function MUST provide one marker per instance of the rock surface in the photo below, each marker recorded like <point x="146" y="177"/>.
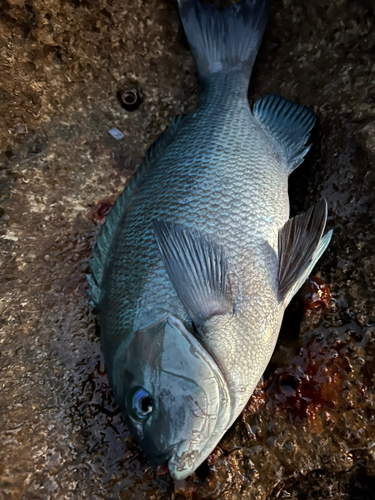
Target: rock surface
<point x="308" y="431"/>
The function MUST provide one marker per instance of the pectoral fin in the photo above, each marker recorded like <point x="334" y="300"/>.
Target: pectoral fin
<point x="300" y="247"/>
<point x="197" y="268"/>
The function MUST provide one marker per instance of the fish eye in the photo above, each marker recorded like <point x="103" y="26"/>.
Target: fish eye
<point x="140" y="404"/>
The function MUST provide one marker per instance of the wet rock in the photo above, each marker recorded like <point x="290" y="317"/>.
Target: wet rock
<point x="308" y="430"/>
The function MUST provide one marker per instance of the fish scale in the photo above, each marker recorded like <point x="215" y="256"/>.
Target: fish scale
<point x="197" y="260"/>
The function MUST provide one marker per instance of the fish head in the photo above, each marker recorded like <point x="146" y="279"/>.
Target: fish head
<point x="173" y="395"/>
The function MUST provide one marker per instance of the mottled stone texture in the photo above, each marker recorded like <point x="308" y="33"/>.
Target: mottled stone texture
<point x="308" y="431"/>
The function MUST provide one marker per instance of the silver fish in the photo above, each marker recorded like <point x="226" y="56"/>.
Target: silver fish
<point x="197" y="260"/>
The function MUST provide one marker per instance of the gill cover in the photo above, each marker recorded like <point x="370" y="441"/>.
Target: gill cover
<point x="189" y="396"/>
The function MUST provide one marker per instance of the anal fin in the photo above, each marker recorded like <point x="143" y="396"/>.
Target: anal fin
<point x="301" y="245"/>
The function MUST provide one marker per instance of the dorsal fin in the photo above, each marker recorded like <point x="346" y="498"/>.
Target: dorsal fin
<point x="197" y="268"/>
<point x="108" y="230"/>
<point x="287" y="122"/>
<point x="300" y="247"/>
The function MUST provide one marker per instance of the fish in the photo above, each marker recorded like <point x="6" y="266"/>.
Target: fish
<point x="198" y="259"/>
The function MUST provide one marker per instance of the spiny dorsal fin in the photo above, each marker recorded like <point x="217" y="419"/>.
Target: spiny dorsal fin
<point x="300" y="247"/>
<point x="287" y="122"/>
<point x="108" y="230"/>
<point x="197" y="268"/>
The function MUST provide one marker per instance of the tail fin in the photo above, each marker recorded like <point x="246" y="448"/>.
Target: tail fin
<point x="224" y="40"/>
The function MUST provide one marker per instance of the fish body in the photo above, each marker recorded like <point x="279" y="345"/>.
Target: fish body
<point x="198" y="259"/>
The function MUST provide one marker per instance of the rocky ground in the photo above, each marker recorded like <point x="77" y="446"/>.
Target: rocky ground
<point x="308" y="431"/>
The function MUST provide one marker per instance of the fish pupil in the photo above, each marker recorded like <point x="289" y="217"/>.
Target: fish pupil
<point x="146" y="405"/>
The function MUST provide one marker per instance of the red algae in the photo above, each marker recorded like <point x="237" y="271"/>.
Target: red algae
<point x="101" y="210"/>
<point x="320" y="379"/>
<point x="313" y="380"/>
<point x="315" y="295"/>
<point x="309" y="381"/>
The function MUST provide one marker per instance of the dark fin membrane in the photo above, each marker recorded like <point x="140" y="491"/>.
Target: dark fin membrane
<point x="289" y="123"/>
<point x="224" y="40"/>
<point x="197" y="268"/>
<point x="108" y="230"/>
<point x="300" y="247"/>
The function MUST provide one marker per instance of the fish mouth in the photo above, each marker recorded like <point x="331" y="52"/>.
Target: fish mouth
<point x="162" y="469"/>
<point x="160" y="462"/>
